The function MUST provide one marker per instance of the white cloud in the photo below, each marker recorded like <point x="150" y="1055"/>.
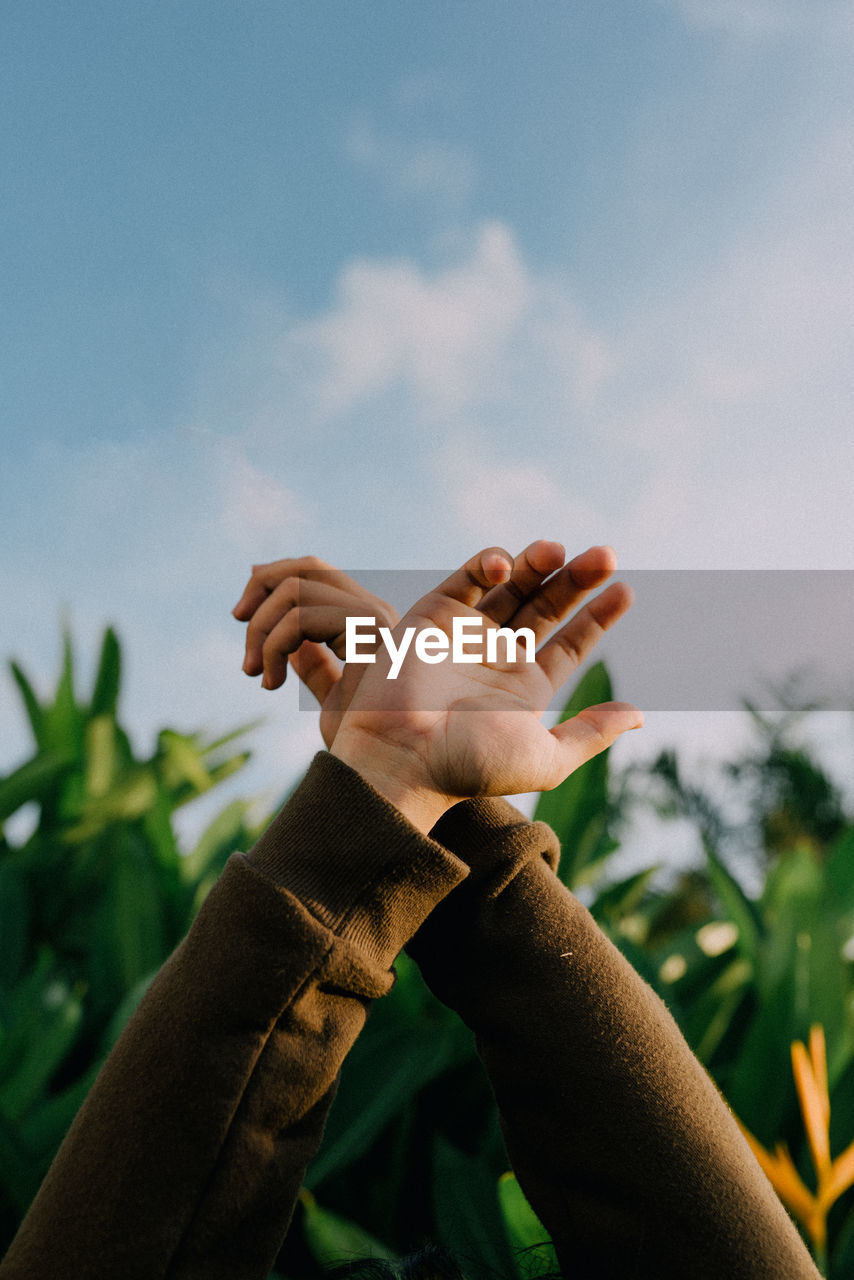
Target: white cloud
<point x="455" y="339"/>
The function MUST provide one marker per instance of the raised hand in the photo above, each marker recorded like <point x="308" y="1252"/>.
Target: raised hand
<point x="437" y="734"/>
<point x="297" y="612"/>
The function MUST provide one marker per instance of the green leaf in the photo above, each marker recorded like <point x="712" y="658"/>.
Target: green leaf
<point x="710" y="1014"/>
<point x="128" y="800"/>
<point x="14" y="924"/>
<point x="126" y="1010"/>
<point x="101" y="755"/>
<point x="47" y="1123"/>
<point x="19" y="1176"/>
<point x="160" y="834"/>
<point x="64" y="720"/>
<point x="467" y="1212"/>
<point x="333" y="1239"/>
<point x="105" y="693"/>
<point x="842" y="1256"/>
<point x="58" y="1023"/>
<point x="35" y="712"/>
<point x="526" y="1234"/>
<point x="743" y="913"/>
<point x="233" y="734"/>
<point x="219" y="772"/>
<point x="221" y="837"/>
<point x="839" y="873"/>
<point x="621" y="899"/>
<point x="183" y="761"/>
<point x="129" y="940"/>
<point x="406" y="1058"/>
<point x="33" y="780"/>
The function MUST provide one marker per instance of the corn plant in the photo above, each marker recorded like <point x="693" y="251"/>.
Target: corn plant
<point x="92" y="901"/>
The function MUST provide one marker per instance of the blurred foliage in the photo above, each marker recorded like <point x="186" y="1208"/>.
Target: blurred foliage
<point x="95" y="898"/>
<point x="92" y="901"/>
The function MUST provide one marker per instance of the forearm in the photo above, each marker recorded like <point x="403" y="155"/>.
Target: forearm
<point x="618" y="1135"/>
<point x="189" y="1152"/>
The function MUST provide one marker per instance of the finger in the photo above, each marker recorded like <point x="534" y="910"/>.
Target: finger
<point x="535" y="563"/>
<point x="266" y="577"/>
<point x="317" y="668"/>
<point x="592" y="731"/>
<point x="485" y="570"/>
<point x="563" y="591"/>
<point x="254" y="594"/>
<point x="265" y="617"/>
<point x="322" y="623"/>
<point x="563" y="653"/>
<point x="303" y="593"/>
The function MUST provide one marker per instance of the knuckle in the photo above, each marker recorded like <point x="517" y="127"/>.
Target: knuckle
<point x="289" y="588"/>
<point x="570" y="648"/>
<point x="513" y="589"/>
<point x="545" y="607"/>
<point x="387" y="612"/>
<point x="313" y="564"/>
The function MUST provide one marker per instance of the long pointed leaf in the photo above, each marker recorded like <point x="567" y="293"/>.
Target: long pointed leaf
<point x="105" y="693"/>
<point x="64" y="720"/>
<point x="531" y="1243"/>
<point x="35" y="712"/>
<point x="32" y="781"/>
<point x="467" y="1212"/>
<point x="333" y="1239"/>
<point x="743" y="913"/>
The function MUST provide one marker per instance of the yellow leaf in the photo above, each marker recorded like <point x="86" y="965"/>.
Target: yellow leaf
<point x="818" y="1054"/>
<point x="813" y="1109"/>
<point x="841" y="1177"/>
<point x="780" y="1171"/>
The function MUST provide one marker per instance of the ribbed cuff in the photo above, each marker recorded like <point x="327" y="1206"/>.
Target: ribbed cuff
<point x="354" y="861"/>
<point x="487" y="832"/>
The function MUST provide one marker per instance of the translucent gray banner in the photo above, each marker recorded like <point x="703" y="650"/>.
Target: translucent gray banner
<point x="704" y="640"/>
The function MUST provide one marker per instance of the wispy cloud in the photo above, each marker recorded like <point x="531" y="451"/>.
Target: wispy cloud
<point x="756" y="18"/>
<point x="455" y="338"/>
<point x="439" y="172"/>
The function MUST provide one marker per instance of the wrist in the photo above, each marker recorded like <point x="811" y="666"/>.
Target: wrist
<point x="396" y="773"/>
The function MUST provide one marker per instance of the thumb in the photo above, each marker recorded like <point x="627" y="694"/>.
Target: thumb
<point x="592" y="731"/>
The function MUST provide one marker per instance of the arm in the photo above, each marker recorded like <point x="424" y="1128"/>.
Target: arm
<point x="188" y="1154"/>
<point x="618" y="1136"/>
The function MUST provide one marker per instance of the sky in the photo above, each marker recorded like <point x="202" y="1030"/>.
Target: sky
<point x="387" y="283"/>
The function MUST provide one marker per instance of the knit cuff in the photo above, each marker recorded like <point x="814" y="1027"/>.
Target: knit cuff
<point x="354" y="861"/>
<point x="485" y="832"/>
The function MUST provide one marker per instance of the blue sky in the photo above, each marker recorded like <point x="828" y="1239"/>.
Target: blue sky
<point x="390" y="282"/>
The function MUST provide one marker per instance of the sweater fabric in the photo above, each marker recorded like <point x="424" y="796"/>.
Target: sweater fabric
<point x="186" y="1159"/>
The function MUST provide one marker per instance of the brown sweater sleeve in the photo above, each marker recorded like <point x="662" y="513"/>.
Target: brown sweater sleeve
<point x="617" y="1134"/>
<point x="187" y="1156"/>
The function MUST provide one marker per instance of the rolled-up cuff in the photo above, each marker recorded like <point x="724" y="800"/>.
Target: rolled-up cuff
<point x="354" y="861"/>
